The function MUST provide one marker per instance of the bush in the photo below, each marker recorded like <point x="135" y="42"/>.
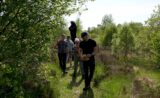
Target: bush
<point x="156" y="48"/>
<point x="109" y="31"/>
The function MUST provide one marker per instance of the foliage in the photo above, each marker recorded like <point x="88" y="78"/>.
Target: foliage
<point x="107" y="20"/>
<point x="104" y="31"/>
<point x="116" y="86"/>
<point x="26" y="30"/>
<point x="96" y="33"/>
<point x="156" y="48"/>
<point x="109" y="31"/>
<point x="154" y="22"/>
<point x="123" y="42"/>
<point x="79" y="27"/>
<point x="100" y="73"/>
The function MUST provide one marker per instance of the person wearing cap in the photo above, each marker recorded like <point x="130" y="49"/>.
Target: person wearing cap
<point x="77" y="60"/>
<point x="87" y="53"/>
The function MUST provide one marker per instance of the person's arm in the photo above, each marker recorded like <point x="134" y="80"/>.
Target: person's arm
<point x="93" y="53"/>
<point x="94" y="50"/>
<point x="80" y="52"/>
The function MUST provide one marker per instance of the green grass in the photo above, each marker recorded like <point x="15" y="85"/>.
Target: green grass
<point x="112" y="86"/>
<point x="146" y="68"/>
<point x="117" y="86"/>
<point x="152" y="74"/>
<point x="108" y="88"/>
<point x="141" y="62"/>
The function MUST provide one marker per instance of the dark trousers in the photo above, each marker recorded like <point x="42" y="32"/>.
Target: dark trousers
<point x="62" y="61"/>
<point x="89" y="67"/>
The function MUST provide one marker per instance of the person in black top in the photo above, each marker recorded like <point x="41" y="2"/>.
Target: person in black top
<point x="73" y="30"/>
<point x="87" y="53"/>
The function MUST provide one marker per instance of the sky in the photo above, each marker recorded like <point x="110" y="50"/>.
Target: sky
<point x="121" y="11"/>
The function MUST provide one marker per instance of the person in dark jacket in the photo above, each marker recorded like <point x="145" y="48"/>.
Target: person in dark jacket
<point x="73" y="30"/>
<point x="87" y="53"/>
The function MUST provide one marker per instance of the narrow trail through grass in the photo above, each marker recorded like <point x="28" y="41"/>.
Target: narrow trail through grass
<point x="117" y="85"/>
<point x="73" y="87"/>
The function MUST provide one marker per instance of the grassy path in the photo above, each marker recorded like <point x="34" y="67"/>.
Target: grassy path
<point x="73" y="87"/>
<point x="116" y="85"/>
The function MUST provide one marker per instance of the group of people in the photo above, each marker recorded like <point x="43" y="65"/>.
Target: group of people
<point x="81" y="51"/>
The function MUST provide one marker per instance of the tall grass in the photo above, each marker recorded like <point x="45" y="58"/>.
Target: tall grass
<point x="117" y="86"/>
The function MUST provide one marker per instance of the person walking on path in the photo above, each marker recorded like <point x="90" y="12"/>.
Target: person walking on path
<point x="62" y="53"/>
<point x="87" y="53"/>
<point x="77" y="60"/>
<point x="73" y="30"/>
<point x="70" y="46"/>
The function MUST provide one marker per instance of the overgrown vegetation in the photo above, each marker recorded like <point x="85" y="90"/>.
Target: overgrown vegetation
<point x="128" y="58"/>
<point x="27" y="28"/>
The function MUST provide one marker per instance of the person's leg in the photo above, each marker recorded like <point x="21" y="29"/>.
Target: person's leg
<point x="82" y="69"/>
<point x="67" y="58"/>
<point x="86" y="74"/>
<point x="60" y="61"/>
<point x="75" y="65"/>
<point x="64" y="61"/>
<point x="70" y="58"/>
<point x="92" y="69"/>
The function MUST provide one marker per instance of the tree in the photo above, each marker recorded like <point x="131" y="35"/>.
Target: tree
<point x="115" y="45"/>
<point x="154" y="20"/>
<point x="126" y="41"/>
<point x="156" y="48"/>
<point x="26" y="29"/>
<point x="109" y="32"/>
<point x="137" y="30"/>
<point x="154" y="24"/>
<point x="79" y="27"/>
<point x="136" y="27"/>
<point x="108" y="28"/>
<point x="123" y="42"/>
<point x="107" y="20"/>
<point x="97" y="33"/>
